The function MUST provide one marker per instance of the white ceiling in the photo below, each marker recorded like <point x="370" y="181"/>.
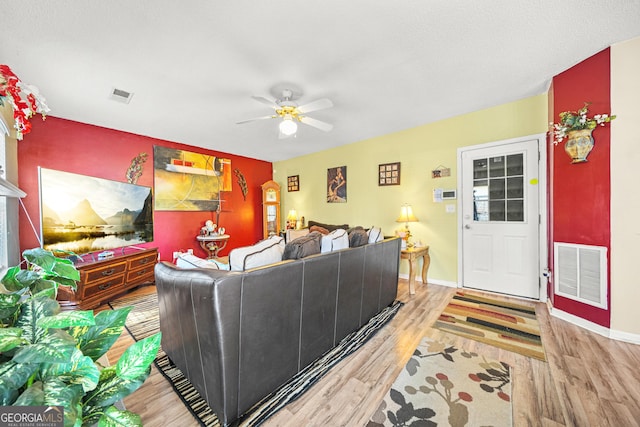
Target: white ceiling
<point x="193" y="65"/>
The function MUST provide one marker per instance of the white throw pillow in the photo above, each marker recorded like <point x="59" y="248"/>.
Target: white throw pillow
<point x="188" y="261"/>
<point x="337" y="239"/>
<point x="375" y="234"/>
<point x="267" y="251"/>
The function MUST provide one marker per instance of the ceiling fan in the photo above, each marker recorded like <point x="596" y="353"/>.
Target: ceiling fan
<point x="290" y="112"/>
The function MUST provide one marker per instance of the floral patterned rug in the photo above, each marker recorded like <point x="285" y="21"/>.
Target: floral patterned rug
<point x="446" y="386"/>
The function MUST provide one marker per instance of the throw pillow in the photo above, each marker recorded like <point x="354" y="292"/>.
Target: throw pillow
<point x="358" y="237"/>
<point x="329" y="227"/>
<point x="337" y="239"/>
<point x="319" y="229"/>
<point x="267" y="251"/>
<point x="303" y="246"/>
<point x="188" y="261"/>
<point x="375" y="234"/>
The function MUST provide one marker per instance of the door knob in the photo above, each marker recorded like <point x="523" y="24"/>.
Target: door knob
<point x="467" y="226"/>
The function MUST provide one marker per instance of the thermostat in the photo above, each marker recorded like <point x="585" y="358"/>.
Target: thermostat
<point x="448" y="194"/>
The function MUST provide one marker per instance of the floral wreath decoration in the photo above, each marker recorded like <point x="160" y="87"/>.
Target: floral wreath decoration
<point x="578" y="120"/>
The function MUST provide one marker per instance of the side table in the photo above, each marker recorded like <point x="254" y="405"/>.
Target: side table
<point x="412" y="254"/>
<point x="213" y="244"/>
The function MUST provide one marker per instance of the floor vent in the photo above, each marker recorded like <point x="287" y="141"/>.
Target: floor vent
<point x="581" y="273"/>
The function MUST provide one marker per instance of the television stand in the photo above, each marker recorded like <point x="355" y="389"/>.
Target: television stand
<point x="103" y="280"/>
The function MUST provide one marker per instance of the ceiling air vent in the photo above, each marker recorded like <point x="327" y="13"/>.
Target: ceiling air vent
<point x="121" y="95"/>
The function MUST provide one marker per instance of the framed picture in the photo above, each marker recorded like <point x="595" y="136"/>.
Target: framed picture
<point x="389" y="174"/>
<point x="337" y="185"/>
<point x="293" y="183"/>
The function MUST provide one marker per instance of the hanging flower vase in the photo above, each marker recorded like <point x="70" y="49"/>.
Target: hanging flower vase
<point x="579" y="144"/>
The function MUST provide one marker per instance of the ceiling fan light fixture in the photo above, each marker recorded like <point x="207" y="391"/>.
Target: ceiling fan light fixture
<point x="288" y="126"/>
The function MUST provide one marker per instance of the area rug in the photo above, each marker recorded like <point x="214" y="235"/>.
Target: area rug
<point x="513" y="327"/>
<point x="143" y="321"/>
<point x="442" y="385"/>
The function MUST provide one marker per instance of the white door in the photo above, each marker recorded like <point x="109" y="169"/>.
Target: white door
<point x="500" y="218"/>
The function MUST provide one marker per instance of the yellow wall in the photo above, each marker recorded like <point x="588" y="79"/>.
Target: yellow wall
<point x="419" y="150"/>
<point x="625" y="176"/>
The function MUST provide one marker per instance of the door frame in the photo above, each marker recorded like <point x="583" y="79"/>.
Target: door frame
<point x="543" y="238"/>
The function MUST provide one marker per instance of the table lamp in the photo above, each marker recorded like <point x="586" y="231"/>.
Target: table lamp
<point x="292" y="219"/>
<point x="407" y="216"/>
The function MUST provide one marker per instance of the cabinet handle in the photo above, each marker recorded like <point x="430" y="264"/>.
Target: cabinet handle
<point x="105" y="286"/>
<point x="142" y="272"/>
<point x="108" y="272"/>
<point x="144" y="261"/>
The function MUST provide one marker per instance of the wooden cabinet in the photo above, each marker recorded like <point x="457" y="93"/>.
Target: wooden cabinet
<point x="103" y="280"/>
<point x="270" y="208"/>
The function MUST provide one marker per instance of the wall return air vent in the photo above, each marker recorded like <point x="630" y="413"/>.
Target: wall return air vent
<point x="581" y="273"/>
<point x="121" y="95"/>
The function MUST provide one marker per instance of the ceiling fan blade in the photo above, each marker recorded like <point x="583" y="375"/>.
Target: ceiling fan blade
<point x="316" y="123"/>
<point x="254" y="119"/>
<point x="266" y="101"/>
<point x="319" y="104"/>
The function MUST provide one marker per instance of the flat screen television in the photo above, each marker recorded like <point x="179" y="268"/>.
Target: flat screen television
<point x="82" y="214"/>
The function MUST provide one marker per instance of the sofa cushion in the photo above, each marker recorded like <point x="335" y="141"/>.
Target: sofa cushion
<point x="188" y="261"/>
<point x="375" y="234"/>
<point x="303" y="246"/>
<point x="329" y="227"/>
<point x="358" y="237"/>
<point x="267" y="251"/>
<point x="337" y="239"/>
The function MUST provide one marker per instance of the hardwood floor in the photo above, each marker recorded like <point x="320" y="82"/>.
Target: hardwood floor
<point x="588" y="380"/>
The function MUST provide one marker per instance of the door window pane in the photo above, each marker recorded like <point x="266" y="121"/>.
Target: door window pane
<point x="496" y="189"/>
<point x="479" y="168"/>
<point x="515" y="164"/>
<point x="496" y="210"/>
<point x="515" y="210"/>
<point x="515" y="188"/>
<point x="496" y="166"/>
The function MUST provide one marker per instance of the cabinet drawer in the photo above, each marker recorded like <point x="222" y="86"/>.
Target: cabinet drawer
<point x="101" y="273"/>
<point x="108" y="286"/>
<point x="141" y="275"/>
<point x="142" y="261"/>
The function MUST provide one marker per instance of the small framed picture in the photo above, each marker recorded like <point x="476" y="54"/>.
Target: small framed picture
<point x="389" y="174"/>
<point x="293" y="183"/>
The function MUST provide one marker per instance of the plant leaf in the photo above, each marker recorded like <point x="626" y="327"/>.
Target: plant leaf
<point x="17" y="279"/>
<point x="9" y="305"/>
<point x="31" y="311"/>
<point x="137" y="358"/>
<point x="54" y="392"/>
<point x="110" y="389"/>
<point x="67" y="319"/>
<point x="12" y="377"/>
<point x="40" y="257"/>
<point x="80" y="370"/>
<point x="56" y="347"/>
<point x="113" y="417"/>
<point x="10" y="338"/>
<point x="94" y="341"/>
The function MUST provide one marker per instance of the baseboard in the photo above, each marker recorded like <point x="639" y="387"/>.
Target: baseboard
<point x="430" y="280"/>
<point x="594" y="327"/>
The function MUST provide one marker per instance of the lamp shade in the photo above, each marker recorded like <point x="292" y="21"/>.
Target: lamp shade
<point x="292" y="215"/>
<point x="406" y="214"/>
<point x="7" y="189"/>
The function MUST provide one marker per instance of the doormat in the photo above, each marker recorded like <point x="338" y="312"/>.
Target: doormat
<point x="446" y="386"/>
<point x="513" y="327"/>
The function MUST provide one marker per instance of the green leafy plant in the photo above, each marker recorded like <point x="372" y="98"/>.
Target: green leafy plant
<point x="48" y="357"/>
<point x="578" y="120"/>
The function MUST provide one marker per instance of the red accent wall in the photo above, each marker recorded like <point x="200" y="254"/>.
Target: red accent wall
<point x="106" y="153"/>
<point x="581" y="193"/>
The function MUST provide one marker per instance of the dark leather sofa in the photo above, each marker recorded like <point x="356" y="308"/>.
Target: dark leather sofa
<point x="238" y="336"/>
